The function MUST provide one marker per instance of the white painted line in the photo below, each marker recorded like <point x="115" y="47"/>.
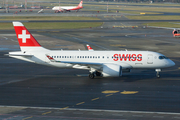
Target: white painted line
<point x="13" y="40"/>
<point x="5" y="38"/>
<point x="90" y="43"/>
<point x="97" y="114"/>
<point x="158" y="116"/>
<point x="77" y="112"/>
<point x="176" y="117"/>
<point x="97" y="110"/>
<point x="117" y="114"/>
<point x="137" y="115"/>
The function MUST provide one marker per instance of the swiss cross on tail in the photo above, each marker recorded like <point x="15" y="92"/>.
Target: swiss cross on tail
<point x="24" y="37"/>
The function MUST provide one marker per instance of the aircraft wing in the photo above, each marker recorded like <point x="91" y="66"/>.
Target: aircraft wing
<point x="80" y="63"/>
<point x="73" y="62"/>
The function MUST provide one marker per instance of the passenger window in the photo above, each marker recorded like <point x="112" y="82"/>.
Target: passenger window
<point x="54" y="56"/>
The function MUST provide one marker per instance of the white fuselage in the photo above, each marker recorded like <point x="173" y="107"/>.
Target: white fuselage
<point x="126" y="59"/>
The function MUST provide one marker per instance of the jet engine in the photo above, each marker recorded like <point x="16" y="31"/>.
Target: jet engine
<point x="112" y="70"/>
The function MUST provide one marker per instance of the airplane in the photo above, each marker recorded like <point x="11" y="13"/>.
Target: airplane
<point x="99" y="63"/>
<point x="68" y="8"/>
<point x="176" y="33"/>
<point x="40" y="11"/>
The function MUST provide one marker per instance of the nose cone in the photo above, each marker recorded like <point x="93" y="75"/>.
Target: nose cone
<point x="171" y="63"/>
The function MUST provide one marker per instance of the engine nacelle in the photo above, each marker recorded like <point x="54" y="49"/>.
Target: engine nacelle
<point x="112" y="70"/>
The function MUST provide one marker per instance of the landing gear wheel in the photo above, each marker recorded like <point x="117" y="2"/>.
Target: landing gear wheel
<point x="98" y="73"/>
<point x="91" y="76"/>
<point x="158" y="71"/>
<point x="157" y="75"/>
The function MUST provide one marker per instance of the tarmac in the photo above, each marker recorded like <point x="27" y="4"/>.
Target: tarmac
<point x="30" y="91"/>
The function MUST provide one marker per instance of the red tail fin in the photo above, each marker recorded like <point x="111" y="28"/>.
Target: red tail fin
<point x="80" y="4"/>
<point x="24" y="36"/>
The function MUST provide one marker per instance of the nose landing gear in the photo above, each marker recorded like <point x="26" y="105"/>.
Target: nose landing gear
<point x="158" y="71"/>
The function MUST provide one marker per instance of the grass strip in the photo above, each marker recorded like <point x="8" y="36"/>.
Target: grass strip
<point x="54" y="25"/>
<point x="47" y="18"/>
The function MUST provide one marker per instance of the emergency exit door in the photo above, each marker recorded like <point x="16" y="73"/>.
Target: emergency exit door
<point x="150" y="59"/>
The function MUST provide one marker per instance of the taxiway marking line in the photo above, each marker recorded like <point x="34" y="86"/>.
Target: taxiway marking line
<point x="129" y="92"/>
<point x="176" y="117"/>
<point x="109" y="91"/>
<point x="76" y="37"/>
<point x="46" y="113"/>
<point x="95" y="99"/>
<point x="27" y="118"/>
<point x="123" y="24"/>
<point x="109" y="95"/>
<point x="80" y="103"/>
<point x="118" y="45"/>
<point x="114" y="17"/>
<point x="40" y="31"/>
<point x="64" y="108"/>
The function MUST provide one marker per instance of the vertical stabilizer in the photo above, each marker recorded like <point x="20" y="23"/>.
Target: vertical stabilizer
<point x="25" y="38"/>
<point x="80" y="4"/>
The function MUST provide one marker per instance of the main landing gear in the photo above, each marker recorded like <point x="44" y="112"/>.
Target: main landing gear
<point x="158" y="71"/>
<point x="93" y="74"/>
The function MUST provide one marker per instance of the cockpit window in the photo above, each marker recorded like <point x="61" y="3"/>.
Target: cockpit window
<point x="163" y="57"/>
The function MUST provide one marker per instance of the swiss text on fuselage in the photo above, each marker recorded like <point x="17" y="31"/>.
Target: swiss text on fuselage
<point x="127" y="57"/>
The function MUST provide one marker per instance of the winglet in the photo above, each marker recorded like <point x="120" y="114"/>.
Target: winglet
<point x="50" y="58"/>
<point x="89" y="48"/>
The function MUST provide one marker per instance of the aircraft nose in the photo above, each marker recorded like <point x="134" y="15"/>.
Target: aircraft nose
<point x="171" y="63"/>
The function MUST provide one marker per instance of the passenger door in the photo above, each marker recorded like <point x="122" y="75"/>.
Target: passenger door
<point x="150" y="59"/>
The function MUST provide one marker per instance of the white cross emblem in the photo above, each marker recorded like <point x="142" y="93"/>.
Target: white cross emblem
<point x="24" y="36"/>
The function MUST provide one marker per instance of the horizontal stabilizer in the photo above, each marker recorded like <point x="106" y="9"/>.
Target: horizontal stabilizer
<point x="23" y="55"/>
